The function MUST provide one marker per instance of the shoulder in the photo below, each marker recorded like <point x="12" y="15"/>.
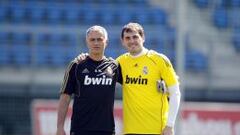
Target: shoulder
<point x="75" y="63"/>
<point x="70" y="68"/>
<point x="112" y="61"/>
<point x="159" y="57"/>
<point x="123" y="57"/>
<point x="72" y="64"/>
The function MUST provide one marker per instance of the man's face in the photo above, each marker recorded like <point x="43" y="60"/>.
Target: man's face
<point x="96" y="42"/>
<point x="133" y="42"/>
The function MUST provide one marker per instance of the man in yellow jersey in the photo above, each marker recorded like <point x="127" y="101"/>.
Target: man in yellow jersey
<point x="146" y="108"/>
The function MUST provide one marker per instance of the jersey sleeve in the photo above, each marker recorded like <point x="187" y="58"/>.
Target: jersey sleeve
<point x="69" y="83"/>
<point x="168" y="73"/>
<point x="118" y="60"/>
<point x="119" y="79"/>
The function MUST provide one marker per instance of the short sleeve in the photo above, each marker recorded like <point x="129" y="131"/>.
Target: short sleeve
<point x="119" y="79"/>
<point x="69" y="83"/>
<point x="168" y="73"/>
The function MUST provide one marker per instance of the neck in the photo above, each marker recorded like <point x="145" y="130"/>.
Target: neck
<point x="96" y="57"/>
<point x="140" y="53"/>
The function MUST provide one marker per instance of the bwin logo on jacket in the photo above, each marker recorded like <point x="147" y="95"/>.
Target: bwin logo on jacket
<point x="97" y="80"/>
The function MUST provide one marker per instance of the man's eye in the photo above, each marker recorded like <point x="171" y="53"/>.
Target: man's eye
<point x="92" y="39"/>
<point x="135" y="37"/>
<point x="99" y="39"/>
<point x="127" y="38"/>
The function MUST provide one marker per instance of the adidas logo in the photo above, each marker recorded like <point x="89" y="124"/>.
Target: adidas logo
<point x="85" y="71"/>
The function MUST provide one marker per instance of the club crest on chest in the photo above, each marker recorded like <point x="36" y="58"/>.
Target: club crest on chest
<point x="145" y="70"/>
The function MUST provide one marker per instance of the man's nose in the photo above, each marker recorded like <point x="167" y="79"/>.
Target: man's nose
<point x="96" y="41"/>
<point x="131" y="40"/>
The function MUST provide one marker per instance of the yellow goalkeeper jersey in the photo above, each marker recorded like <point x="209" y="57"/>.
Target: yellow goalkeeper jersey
<point x="145" y="109"/>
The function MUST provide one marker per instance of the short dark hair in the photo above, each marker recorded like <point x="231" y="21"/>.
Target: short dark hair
<point x="132" y="27"/>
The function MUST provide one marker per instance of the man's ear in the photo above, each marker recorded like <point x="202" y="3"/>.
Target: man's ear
<point x="121" y="39"/>
<point x="107" y="42"/>
<point x="143" y="37"/>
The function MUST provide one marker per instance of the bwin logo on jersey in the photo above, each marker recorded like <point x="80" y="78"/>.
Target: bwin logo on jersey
<point x="136" y="80"/>
<point x="97" y="80"/>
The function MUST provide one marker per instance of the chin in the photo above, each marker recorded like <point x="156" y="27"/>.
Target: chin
<point x="132" y="52"/>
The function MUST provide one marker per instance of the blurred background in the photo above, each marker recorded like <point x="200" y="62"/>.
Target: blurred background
<point x="38" y="38"/>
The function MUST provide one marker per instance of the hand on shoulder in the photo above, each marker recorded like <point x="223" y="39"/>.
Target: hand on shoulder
<point x="81" y="57"/>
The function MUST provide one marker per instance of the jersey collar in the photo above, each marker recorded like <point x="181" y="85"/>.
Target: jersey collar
<point x="143" y="52"/>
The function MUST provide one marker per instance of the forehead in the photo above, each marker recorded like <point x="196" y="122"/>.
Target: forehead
<point x="130" y="33"/>
<point x="95" y="33"/>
